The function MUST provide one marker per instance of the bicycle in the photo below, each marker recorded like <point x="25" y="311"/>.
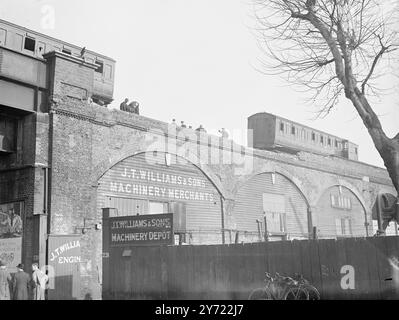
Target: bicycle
<point x="285" y="288"/>
<point x="313" y="293"/>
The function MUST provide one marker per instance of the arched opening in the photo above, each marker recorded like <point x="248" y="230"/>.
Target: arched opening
<point x="275" y="197"/>
<point x="388" y="200"/>
<point x="339" y="213"/>
<point x="157" y="183"/>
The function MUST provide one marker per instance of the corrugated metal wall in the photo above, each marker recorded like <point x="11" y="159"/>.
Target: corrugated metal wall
<point x="203" y="214"/>
<point x="249" y="204"/>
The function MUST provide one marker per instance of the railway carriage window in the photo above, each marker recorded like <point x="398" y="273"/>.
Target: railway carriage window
<point x="108" y="71"/>
<point x="67" y="51"/>
<point x="41" y="48"/>
<point x="100" y="65"/>
<point x="30" y="44"/>
<point x="3" y="34"/>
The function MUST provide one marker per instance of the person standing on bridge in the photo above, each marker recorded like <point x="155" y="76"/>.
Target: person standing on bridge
<point x="124" y="106"/>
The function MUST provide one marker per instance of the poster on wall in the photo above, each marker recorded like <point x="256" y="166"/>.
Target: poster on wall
<point x="11" y="230"/>
<point x="11" y="252"/>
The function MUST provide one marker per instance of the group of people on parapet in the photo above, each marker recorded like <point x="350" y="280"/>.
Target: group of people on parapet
<point x="133" y="107"/>
<point x="21" y="285"/>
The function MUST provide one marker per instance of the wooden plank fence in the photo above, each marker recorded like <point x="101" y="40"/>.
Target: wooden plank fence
<point x="231" y="272"/>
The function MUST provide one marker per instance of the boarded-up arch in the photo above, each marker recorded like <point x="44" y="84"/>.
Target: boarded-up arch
<point x="166" y="182"/>
<point x="340" y="213"/>
<point x="276" y="195"/>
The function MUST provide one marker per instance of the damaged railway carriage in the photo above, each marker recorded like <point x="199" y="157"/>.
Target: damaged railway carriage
<point x="66" y="160"/>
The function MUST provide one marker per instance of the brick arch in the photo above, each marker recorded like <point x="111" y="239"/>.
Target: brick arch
<point x="102" y="169"/>
<point x="351" y="188"/>
<point x="272" y="168"/>
<point x="292" y="180"/>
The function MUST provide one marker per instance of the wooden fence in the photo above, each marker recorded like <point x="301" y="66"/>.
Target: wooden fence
<point x="231" y="272"/>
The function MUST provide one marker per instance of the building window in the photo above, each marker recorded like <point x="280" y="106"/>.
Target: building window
<point x="282" y="127"/>
<point x="293" y="130"/>
<point x="313" y="136"/>
<point x="356" y="151"/>
<point x="30" y="44"/>
<point x="341" y="202"/>
<point x="329" y="142"/>
<point x="8" y="135"/>
<point x="336" y="144"/>
<point x="343" y="227"/>
<point x="321" y="140"/>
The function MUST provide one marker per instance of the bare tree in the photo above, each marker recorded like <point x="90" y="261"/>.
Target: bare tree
<point x="334" y="48"/>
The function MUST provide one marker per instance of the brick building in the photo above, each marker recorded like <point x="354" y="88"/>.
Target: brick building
<point x="64" y="157"/>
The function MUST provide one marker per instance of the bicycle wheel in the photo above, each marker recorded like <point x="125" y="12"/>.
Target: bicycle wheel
<point x="296" y="293"/>
<point x="260" y="294"/>
<point x="313" y="293"/>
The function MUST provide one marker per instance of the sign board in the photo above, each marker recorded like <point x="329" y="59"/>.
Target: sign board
<point x="144" y="230"/>
<point x="11" y="230"/>
<point x="11" y="252"/>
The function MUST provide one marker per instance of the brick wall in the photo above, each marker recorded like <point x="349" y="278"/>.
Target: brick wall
<point x="87" y="140"/>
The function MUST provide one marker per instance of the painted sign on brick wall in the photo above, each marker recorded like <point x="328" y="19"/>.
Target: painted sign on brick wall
<point x="65" y="260"/>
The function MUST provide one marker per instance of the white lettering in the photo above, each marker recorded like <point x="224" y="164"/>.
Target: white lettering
<point x="348" y="280"/>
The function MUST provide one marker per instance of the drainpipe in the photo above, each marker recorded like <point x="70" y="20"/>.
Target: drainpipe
<point x="310" y="223"/>
<point x="222" y="213"/>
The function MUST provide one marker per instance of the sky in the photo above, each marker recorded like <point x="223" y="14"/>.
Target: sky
<point x="194" y="61"/>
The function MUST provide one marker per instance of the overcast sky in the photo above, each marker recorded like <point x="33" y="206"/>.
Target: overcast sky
<point x="193" y="60"/>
